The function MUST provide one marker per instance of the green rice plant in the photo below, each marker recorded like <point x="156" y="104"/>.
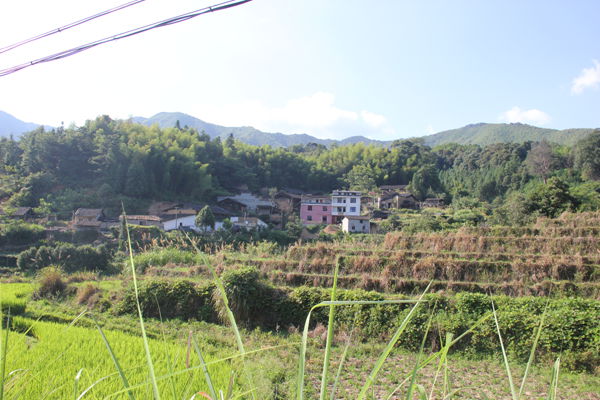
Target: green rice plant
<point x="330" y="327"/>
<point x="141" y="318"/>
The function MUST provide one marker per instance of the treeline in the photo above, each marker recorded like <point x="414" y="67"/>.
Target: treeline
<point x="106" y="162"/>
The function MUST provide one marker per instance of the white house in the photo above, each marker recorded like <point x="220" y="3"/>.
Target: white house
<point x="186" y="222"/>
<point x="344" y="203"/>
<point x="356" y="224"/>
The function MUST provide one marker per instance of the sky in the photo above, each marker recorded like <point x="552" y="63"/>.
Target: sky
<point x="385" y="69"/>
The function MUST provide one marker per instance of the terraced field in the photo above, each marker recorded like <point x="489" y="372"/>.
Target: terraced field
<point x="554" y="256"/>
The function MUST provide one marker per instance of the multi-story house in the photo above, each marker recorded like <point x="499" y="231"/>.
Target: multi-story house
<point x="315" y="210"/>
<point x="344" y="203"/>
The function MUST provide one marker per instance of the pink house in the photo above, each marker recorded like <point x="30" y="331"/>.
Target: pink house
<point x="315" y="210"/>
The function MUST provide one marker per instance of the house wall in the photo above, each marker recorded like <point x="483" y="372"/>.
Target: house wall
<point x="356" y="225"/>
<point x="315" y="213"/>
<point x="187" y="222"/>
<point x="344" y="202"/>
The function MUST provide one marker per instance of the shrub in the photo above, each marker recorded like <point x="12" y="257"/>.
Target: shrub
<point x="67" y="256"/>
<point x="170" y="299"/>
<point x="21" y="234"/>
<point x="87" y="294"/>
<point x="50" y="284"/>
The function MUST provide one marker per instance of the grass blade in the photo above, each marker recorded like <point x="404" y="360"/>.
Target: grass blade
<point x="330" y="327"/>
<point x="413" y="379"/>
<point x="3" y="351"/>
<point x="114" y="359"/>
<point x="513" y="392"/>
<point x="223" y="294"/>
<point x="341" y="366"/>
<point x="388" y="349"/>
<point x="533" y="348"/>
<point x="76" y="386"/>
<point x="552" y="391"/>
<point x="141" y="318"/>
<point x="304" y="342"/>
<point x="207" y="377"/>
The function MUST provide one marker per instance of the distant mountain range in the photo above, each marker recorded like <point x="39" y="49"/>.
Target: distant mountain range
<point x="10" y="125"/>
<point x="246" y="134"/>
<point x="480" y="133"/>
<point x="484" y="134"/>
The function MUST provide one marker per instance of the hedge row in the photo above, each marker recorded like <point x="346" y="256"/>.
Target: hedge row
<point x="571" y="328"/>
<point x="67" y="256"/>
<point x="21" y="234"/>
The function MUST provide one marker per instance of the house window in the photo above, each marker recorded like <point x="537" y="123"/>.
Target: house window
<point x="324" y="208"/>
<point x="353" y="227"/>
<point x="352" y="209"/>
<point x="309" y="208"/>
<point x="324" y="218"/>
<point x="309" y="217"/>
<point x="353" y="200"/>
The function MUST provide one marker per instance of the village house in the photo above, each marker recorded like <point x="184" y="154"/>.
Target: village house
<point x="397" y="200"/>
<point x="356" y="224"/>
<point x="344" y="203"/>
<point x="143" y="220"/>
<point x="434" y="202"/>
<point x="249" y="223"/>
<point x="246" y="202"/>
<point x="393" y="188"/>
<point x="88" y="218"/>
<point x="186" y="218"/>
<point x="315" y="210"/>
<point x="24" y="213"/>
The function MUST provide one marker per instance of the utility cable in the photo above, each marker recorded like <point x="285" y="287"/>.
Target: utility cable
<point x="68" y="26"/>
<point x="133" y="32"/>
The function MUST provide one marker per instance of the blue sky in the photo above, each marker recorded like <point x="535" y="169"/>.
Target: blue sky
<point x="331" y="68"/>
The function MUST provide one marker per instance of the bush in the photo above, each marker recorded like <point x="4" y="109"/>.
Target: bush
<point x="21" y="234"/>
<point x="170" y="299"/>
<point x="67" y="256"/>
<point x="50" y="284"/>
<point x="86" y="294"/>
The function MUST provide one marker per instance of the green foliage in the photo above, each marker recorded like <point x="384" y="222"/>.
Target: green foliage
<point x="587" y="156"/>
<point x="162" y="257"/>
<point x="205" y="218"/>
<point x="20" y="234"/>
<point x="551" y="199"/>
<point x="170" y="299"/>
<point x="69" y="257"/>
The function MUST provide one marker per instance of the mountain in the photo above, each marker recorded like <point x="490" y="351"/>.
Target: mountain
<point x="483" y="134"/>
<point x="10" y="125"/>
<point x="246" y="134"/>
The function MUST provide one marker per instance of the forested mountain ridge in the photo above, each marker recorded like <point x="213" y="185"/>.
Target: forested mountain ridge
<point x="484" y="134"/>
<point x="105" y="162"/>
<point x="246" y="134"/>
<point x="480" y="133"/>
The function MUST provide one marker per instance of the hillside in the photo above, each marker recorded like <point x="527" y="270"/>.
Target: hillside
<point x="246" y="134"/>
<point x="10" y="125"/>
<point x="484" y="134"/>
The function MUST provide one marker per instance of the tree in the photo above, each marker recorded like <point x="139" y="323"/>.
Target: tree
<point x="205" y="219"/>
<point x="426" y="180"/>
<point x="587" y="156"/>
<point x="541" y="160"/>
<point x="552" y="198"/>
<point x="360" y="177"/>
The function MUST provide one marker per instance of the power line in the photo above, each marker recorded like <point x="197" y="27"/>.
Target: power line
<point x="123" y="35"/>
<point x="68" y="26"/>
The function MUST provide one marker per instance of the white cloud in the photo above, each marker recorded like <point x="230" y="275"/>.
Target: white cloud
<point x="430" y="130"/>
<point x="316" y="115"/>
<point x="532" y="116"/>
<point x="588" y="78"/>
